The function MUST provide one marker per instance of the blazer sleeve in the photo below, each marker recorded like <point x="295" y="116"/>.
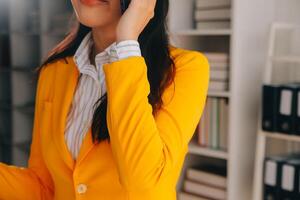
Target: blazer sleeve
<point x="147" y="148"/>
<point x="33" y="182"/>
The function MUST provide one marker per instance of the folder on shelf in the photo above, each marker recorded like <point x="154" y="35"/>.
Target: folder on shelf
<point x="290" y="180"/>
<point x="272" y="176"/>
<point x="270" y="99"/>
<point x="297" y="115"/>
<point x="286" y="111"/>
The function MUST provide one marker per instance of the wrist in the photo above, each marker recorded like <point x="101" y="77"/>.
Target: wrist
<point x="127" y="37"/>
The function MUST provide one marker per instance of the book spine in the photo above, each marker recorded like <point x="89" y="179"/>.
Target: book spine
<point x="214" y="124"/>
<point x="297" y="115"/>
<point x="213" y="25"/>
<point x="216" y="14"/>
<point x="208" y="4"/>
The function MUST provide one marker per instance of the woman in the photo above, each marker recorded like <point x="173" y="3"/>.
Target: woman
<point x="116" y="106"/>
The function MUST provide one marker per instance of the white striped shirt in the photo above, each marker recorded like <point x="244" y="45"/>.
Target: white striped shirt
<point x="91" y="86"/>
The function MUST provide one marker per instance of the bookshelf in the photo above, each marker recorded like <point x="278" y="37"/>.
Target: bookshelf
<point x="280" y="136"/>
<point x="194" y="148"/>
<point x="282" y="55"/>
<point x="245" y="43"/>
<point x="202" y="32"/>
<point x="30" y="29"/>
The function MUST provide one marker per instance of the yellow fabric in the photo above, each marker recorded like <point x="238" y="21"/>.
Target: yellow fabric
<point x="146" y="153"/>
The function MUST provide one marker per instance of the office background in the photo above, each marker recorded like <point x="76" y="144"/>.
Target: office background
<point x="237" y="44"/>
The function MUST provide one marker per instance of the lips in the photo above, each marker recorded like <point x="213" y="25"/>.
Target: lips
<point x="93" y="2"/>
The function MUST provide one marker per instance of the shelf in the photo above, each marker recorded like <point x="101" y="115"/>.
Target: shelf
<point x="286" y="59"/>
<point x="195" y="32"/>
<point x="204" y="151"/>
<point x="225" y="94"/>
<point x="281" y="136"/>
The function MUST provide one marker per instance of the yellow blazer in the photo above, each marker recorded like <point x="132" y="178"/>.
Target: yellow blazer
<point x="146" y="153"/>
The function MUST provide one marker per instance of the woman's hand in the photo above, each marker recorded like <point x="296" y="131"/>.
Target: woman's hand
<point x="135" y="19"/>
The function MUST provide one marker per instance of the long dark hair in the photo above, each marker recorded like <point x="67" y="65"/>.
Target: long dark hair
<point x="154" y="43"/>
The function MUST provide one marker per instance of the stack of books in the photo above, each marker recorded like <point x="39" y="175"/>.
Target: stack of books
<point x="214" y="14"/>
<point x="219" y="70"/>
<point x="281" y="177"/>
<point x="212" y="130"/>
<point x="281" y="108"/>
<point x="204" y="183"/>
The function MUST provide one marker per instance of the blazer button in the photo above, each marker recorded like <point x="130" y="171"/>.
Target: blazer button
<point x="81" y="188"/>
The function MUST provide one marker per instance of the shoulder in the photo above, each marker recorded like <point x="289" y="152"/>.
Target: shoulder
<point x="49" y="70"/>
<point x="192" y="61"/>
<point x="185" y="58"/>
<point x="47" y="75"/>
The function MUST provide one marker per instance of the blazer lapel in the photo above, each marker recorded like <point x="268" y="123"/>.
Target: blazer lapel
<point x="65" y="86"/>
<point x="86" y="147"/>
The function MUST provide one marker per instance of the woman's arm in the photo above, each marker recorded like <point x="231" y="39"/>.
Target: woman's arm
<point x="33" y="182"/>
<point x="147" y="148"/>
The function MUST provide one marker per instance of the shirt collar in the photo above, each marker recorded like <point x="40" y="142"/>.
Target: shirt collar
<point x="81" y="56"/>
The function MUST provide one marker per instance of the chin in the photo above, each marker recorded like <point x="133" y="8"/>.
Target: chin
<point x="94" y="13"/>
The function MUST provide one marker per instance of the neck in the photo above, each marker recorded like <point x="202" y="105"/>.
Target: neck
<point x="103" y="38"/>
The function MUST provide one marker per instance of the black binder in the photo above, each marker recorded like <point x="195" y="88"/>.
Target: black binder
<point x="297" y="116"/>
<point x="286" y="108"/>
<point x="289" y="189"/>
<point x="270" y="99"/>
<point x="272" y="176"/>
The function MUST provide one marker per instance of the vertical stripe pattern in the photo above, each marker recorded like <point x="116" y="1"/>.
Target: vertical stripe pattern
<point x="91" y="86"/>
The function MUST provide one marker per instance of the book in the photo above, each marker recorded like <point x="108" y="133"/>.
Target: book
<point x="207" y="122"/>
<point x="209" y="175"/>
<point x="209" y="4"/>
<point x="215" y="14"/>
<point x="218" y="85"/>
<point x="224" y="109"/>
<point x="214" y="125"/>
<point x="212" y="130"/>
<point x="200" y="25"/>
<point x="219" y="75"/>
<point x="188" y="196"/>
<point x="204" y="190"/>
<point x="201" y="128"/>
<point x="218" y="65"/>
<point x="217" y="57"/>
